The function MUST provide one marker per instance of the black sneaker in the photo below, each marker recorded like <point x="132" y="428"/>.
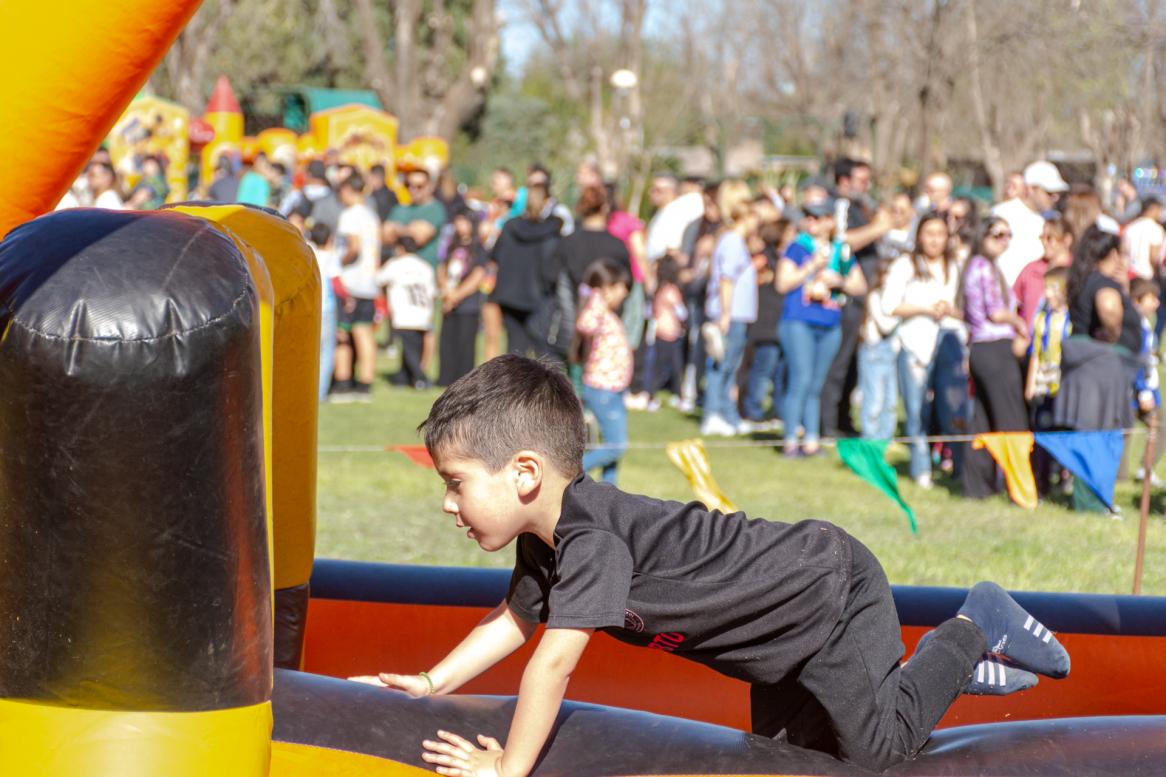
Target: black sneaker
<point x="342" y="392"/>
<point x="361" y="392"/>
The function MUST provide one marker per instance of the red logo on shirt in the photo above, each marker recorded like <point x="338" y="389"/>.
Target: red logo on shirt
<point x="668" y="642"/>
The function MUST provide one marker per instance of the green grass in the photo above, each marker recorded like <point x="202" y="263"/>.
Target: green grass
<point x="379" y="506"/>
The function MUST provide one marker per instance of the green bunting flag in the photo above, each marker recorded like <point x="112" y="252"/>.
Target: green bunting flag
<point x="868" y="460"/>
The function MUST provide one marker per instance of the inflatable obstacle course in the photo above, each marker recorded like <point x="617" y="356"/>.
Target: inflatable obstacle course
<point x="140" y="452"/>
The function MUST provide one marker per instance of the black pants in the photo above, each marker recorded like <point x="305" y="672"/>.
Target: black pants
<point x="842" y="377"/>
<point x="518" y="339"/>
<point x="668" y="366"/>
<point x="852" y="699"/>
<point x="412" y="342"/>
<point x="998" y="407"/>
<point x="459" y="336"/>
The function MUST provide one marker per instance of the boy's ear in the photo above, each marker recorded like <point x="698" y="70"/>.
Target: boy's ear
<point x="528" y="468"/>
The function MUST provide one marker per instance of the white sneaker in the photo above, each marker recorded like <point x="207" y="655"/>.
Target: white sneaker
<point x="924" y="482"/>
<point x="636" y="401"/>
<point x="716" y="426"/>
<point x="1140" y="475"/>
<point x="745" y="426"/>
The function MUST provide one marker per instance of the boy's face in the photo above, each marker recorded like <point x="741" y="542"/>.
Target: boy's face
<point x="1055" y="296"/>
<point x="1147" y="305"/>
<point x="487" y="503"/>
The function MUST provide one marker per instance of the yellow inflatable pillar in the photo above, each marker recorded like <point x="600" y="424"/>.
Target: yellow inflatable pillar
<point x="74" y="66"/>
<point x="135" y="583"/>
<point x="293" y="410"/>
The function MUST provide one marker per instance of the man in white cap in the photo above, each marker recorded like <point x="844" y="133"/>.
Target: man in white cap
<point x="1025" y="215"/>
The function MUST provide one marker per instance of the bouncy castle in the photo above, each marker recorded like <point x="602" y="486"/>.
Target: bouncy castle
<point x="161" y="610"/>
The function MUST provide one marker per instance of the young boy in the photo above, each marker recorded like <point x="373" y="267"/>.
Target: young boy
<point x="412" y="286"/>
<point x="1145" y="295"/>
<point x="1050" y="329"/>
<point x="802" y="611"/>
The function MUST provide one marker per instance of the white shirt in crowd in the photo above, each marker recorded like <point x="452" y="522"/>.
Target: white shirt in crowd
<point x="1142" y="243"/>
<point x="359" y="277"/>
<point x="666" y="229"/>
<point x="329" y="263"/>
<point x="109" y="199"/>
<point x="1025" y="247"/>
<point x="918" y="335"/>
<point x="878" y="324"/>
<point x="412" y="285"/>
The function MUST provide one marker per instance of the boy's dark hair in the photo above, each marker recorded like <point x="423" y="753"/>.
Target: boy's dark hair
<point x="604" y="272"/>
<point x="320" y="234"/>
<point x="1140" y="287"/>
<point x="668" y="271"/>
<point x="510" y="403"/>
<point x="354" y="182"/>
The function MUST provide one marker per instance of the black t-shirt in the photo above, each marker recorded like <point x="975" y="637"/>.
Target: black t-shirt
<point x="459" y="262"/>
<point x="1083" y="313"/>
<point x="384" y="200"/>
<point x="769" y="304"/>
<point x="867" y="256"/>
<point x="749" y="597"/>
<point x="583" y="246"/>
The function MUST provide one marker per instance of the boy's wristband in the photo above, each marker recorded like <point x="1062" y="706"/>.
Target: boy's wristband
<point x="428" y="680"/>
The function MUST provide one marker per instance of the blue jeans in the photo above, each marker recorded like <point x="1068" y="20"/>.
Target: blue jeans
<point x="946" y="377"/>
<point x="809" y="349"/>
<point x="609" y="411"/>
<point x="878" y="378"/>
<point x="327" y="338"/>
<point x="768" y="369"/>
<point x="720" y="376"/>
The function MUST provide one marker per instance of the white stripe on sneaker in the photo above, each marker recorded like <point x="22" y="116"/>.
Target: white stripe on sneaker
<point x="1048" y="635"/>
<point x="980" y="672"/>
<point x="991" y="673"/>
<point x="1001" y="667"/>
<point x="1028" y="623"/>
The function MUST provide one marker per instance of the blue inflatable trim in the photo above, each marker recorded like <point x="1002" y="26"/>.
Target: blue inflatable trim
<point x="364" y="581"/>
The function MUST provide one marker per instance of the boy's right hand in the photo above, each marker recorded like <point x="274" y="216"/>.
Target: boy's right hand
<point x="413" y="684"/>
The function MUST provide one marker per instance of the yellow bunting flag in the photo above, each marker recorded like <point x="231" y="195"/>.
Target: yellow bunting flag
<point x="1012" y="450"/>
<point x="692" y="459"/>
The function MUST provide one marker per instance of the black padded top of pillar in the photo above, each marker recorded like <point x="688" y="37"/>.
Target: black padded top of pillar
<point x="133" y="558"/>
<point x="595" y="741"/>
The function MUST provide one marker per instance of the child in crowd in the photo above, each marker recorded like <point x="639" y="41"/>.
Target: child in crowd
<point x="1050" y="329"/>
<point x="1145" y="295"/>
<point x="459" y="279"/>
<point x="767" y="369"/>
<point x="878" y="360"/>
<point x="412" y="287"/>
<point x="607" y="371"/>
<point x="320" y="238"/>
<point x="669" y="314"/>
<point x="802" y="611"/>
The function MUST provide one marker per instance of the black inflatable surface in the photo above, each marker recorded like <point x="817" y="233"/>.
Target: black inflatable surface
<point x="595" y="741"/>
<point x="131" y="454"/>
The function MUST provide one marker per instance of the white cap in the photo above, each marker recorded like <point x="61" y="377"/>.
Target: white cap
<point x="1045" y="175"/>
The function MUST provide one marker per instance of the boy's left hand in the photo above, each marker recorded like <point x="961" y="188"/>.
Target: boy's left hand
<point x="458" y="757"/>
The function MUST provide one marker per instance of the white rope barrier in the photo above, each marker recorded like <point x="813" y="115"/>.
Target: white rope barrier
<point x="776" y="442"/>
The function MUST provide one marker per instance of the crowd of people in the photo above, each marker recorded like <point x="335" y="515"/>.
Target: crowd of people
<point x="815" y="310"/>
